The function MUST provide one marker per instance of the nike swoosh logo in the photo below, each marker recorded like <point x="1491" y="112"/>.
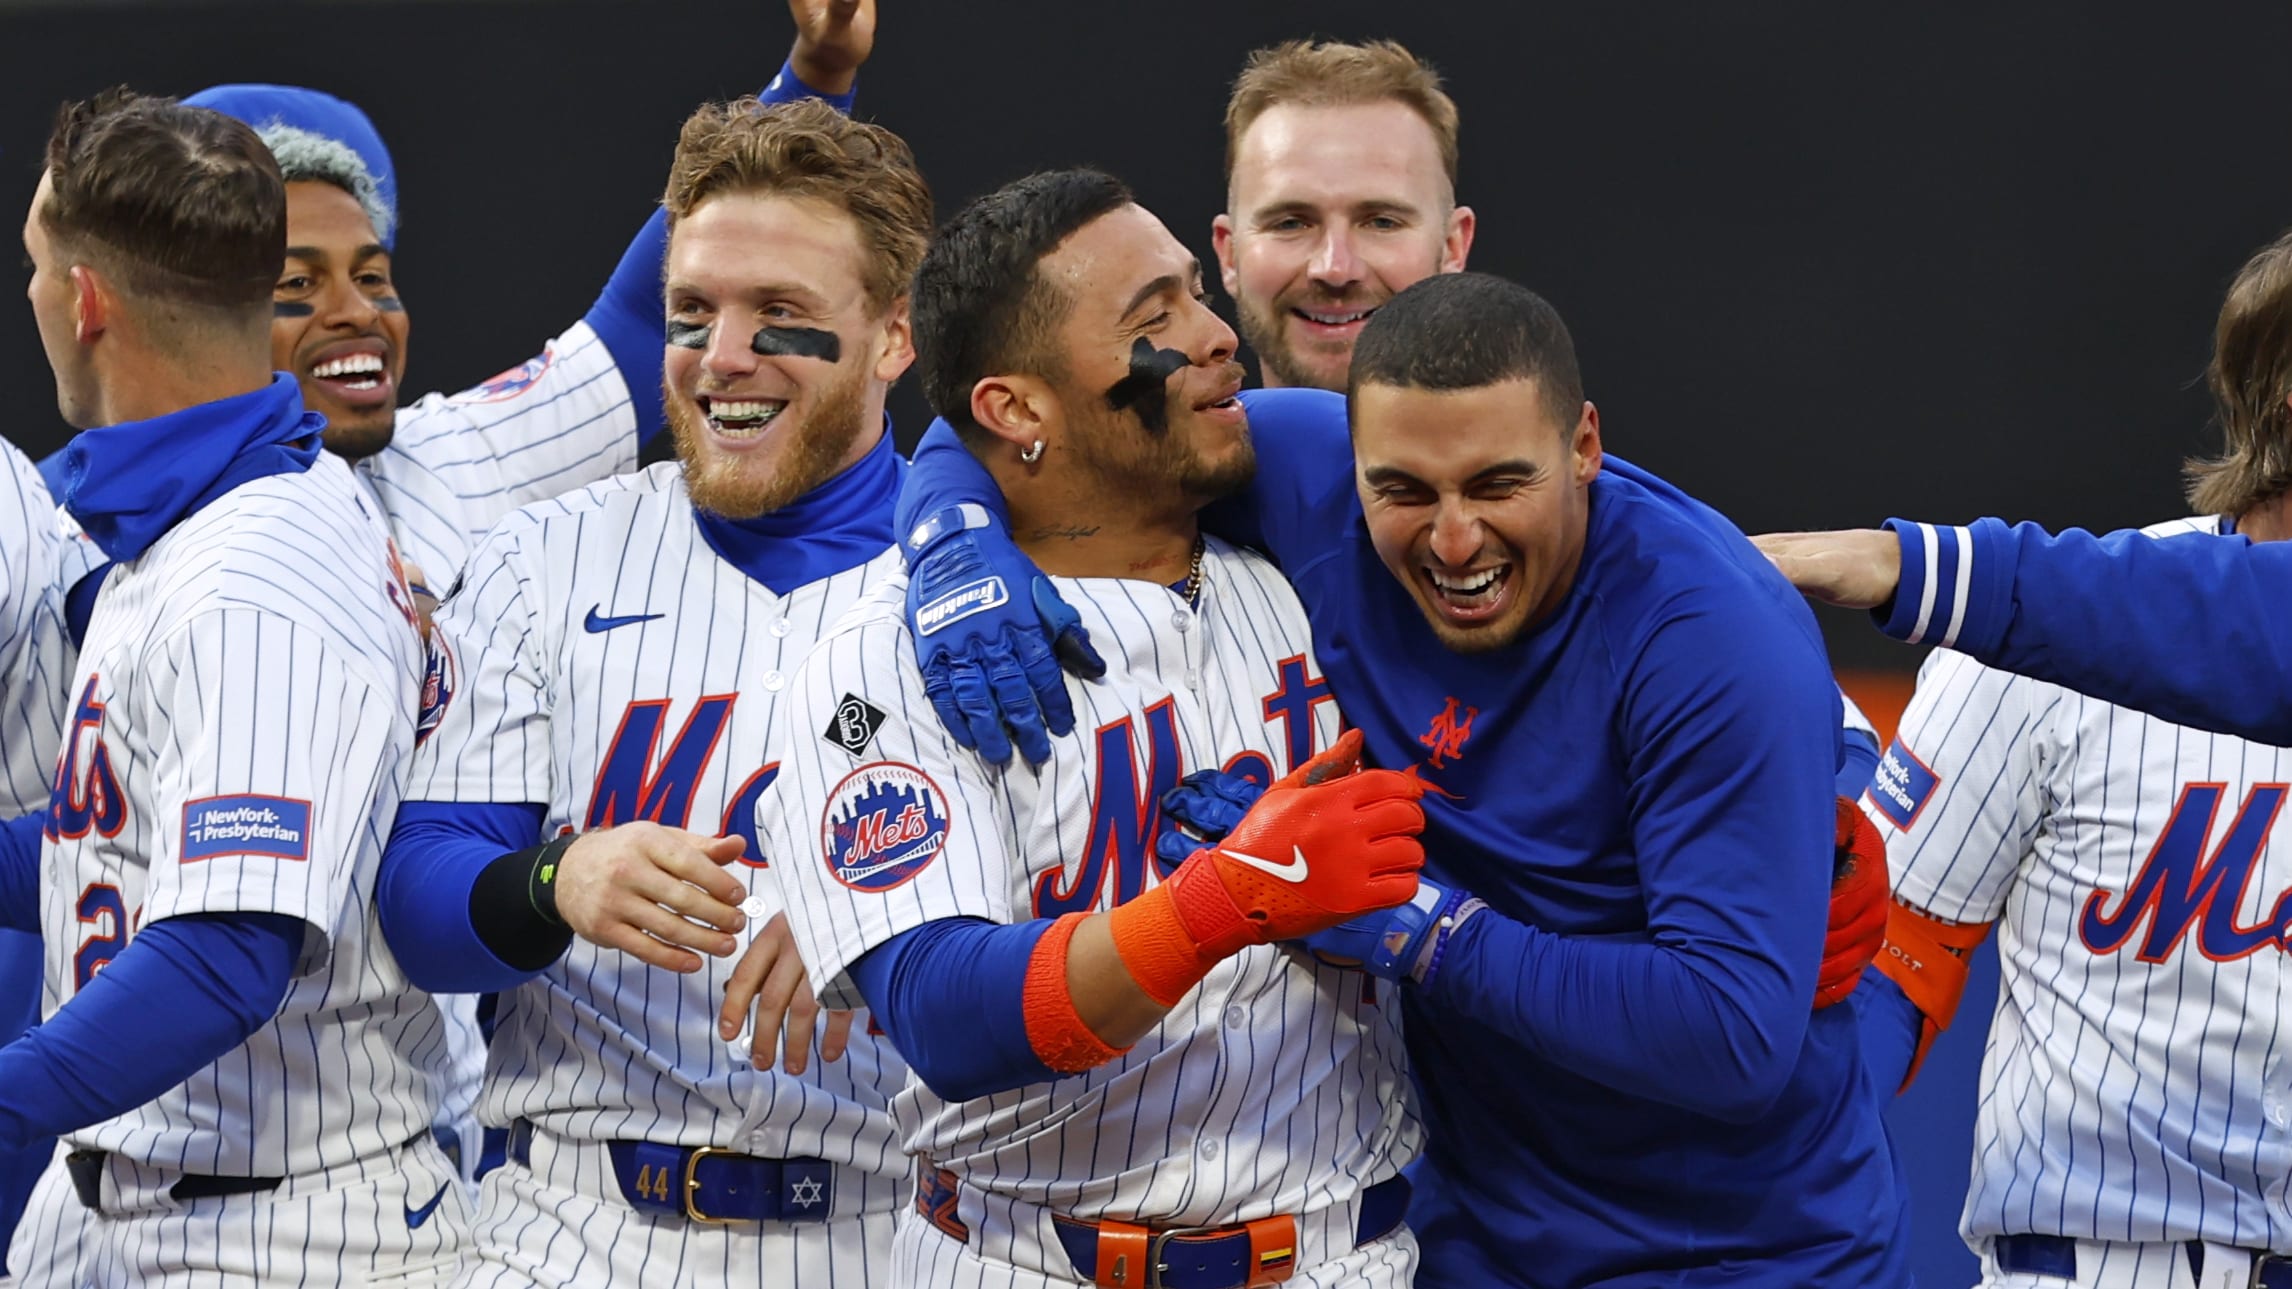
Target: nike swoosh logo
<point x="416" y="1216"/>
<point x="1293" y="871"/>
<point x="596" y="624"/>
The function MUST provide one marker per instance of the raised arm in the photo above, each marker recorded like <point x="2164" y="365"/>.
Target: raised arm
<point x="2192" y="629"/>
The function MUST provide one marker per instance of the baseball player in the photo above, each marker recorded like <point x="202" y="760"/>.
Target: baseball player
<point x="2128" y="864"/>
<point x="242" y="715"/>
<point x="605" y="681"/>
<point x="1120" y="1080"/>
<point x="1605" y="638"/>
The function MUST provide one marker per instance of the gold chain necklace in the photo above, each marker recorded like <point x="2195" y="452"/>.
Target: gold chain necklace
<point x="1194" y="576"/>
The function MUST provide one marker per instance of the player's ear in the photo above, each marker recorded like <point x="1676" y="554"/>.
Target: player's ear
<point x="898" y="342"/>
<point x="1015" y="409"/>
<point x="1222" y="242"/>
<point x="91" y="304"/>
<point x="1584" y="451"/>
<point x="1456" y="244"/>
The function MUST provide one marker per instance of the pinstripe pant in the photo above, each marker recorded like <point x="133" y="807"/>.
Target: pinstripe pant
<point x="347" y="1225"/>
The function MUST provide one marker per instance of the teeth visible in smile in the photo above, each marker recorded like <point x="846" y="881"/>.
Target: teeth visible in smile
<point x="354" y="364"/>
<point x="1334" y="319"/>
<point x="1470" y="585"/>
<point x="743" y="414"/>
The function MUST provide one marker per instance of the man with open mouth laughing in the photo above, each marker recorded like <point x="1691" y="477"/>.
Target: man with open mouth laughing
<point x="553" y="814"/>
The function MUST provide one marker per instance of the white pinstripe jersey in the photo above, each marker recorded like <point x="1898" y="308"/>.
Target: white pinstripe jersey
<point x="242" y="718"/>
<point x="1276" y="1085"/>
<point x="2137" y="1085"/>
<point x="457" y="464"/>
<point x="606" y="663"/>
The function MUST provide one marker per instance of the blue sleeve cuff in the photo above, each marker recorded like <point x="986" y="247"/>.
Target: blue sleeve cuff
<point x="1956" y="588"/>
<point x="436" y="853"/>
<point x="1858" y="764"/>
<point x="950" y="995"/>
<point x="942" y="476"/>
<point x="787" y="87"/>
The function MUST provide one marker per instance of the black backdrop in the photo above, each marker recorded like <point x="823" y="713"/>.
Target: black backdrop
<point x="1824" y="262"/>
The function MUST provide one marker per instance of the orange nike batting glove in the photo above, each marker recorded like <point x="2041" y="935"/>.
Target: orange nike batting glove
<point x="1326" y="844"/>
<point x="1859" y="893"/>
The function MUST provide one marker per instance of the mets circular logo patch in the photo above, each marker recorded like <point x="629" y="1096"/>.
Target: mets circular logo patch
<point x="884" y="824"/>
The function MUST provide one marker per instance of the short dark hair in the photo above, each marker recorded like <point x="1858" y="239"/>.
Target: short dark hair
<point x="1466" y="330"/>
<point x="980" y="305"/>
<point x="172" y="202"/>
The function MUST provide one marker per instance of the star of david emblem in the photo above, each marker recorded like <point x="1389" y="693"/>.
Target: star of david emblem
<point x="805" y="1193"/>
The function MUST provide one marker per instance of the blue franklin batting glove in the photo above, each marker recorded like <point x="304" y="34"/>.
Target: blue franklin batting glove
<point x="1200" y="811"/>
<point x="1401" y="943"/>
<point x="991" y="660"/>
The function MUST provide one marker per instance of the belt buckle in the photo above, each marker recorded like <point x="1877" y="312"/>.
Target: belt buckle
<point x="2262" y="1264"/>
<point x="1160" y="1241"/>
<point x="692" y="1211"/>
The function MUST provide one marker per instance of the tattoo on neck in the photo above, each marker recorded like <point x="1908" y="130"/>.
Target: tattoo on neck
<point x="1069" y="532"/>
<point x="1146" y="389"/>
<point x="798" y="342"/>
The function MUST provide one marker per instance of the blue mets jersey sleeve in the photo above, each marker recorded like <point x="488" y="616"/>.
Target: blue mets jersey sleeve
<point x="2192" y="629"/>
<point x="1729" y="757"/>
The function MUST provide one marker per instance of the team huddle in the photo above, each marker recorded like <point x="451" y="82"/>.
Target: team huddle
<point x="1351" y="832"/>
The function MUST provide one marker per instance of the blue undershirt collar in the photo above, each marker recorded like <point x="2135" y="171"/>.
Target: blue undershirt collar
<point x="129" y="483"/>
<point x="841" y="524"/>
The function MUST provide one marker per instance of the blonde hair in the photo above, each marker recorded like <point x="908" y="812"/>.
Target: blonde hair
<point x="1328" y="73"/>
<point x="809" y="149"/>
<point x="2250" y="377"/>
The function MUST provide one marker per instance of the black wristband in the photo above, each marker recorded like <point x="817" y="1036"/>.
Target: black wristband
<point x="541" y="881"/>
<point x="513" y="906"/>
